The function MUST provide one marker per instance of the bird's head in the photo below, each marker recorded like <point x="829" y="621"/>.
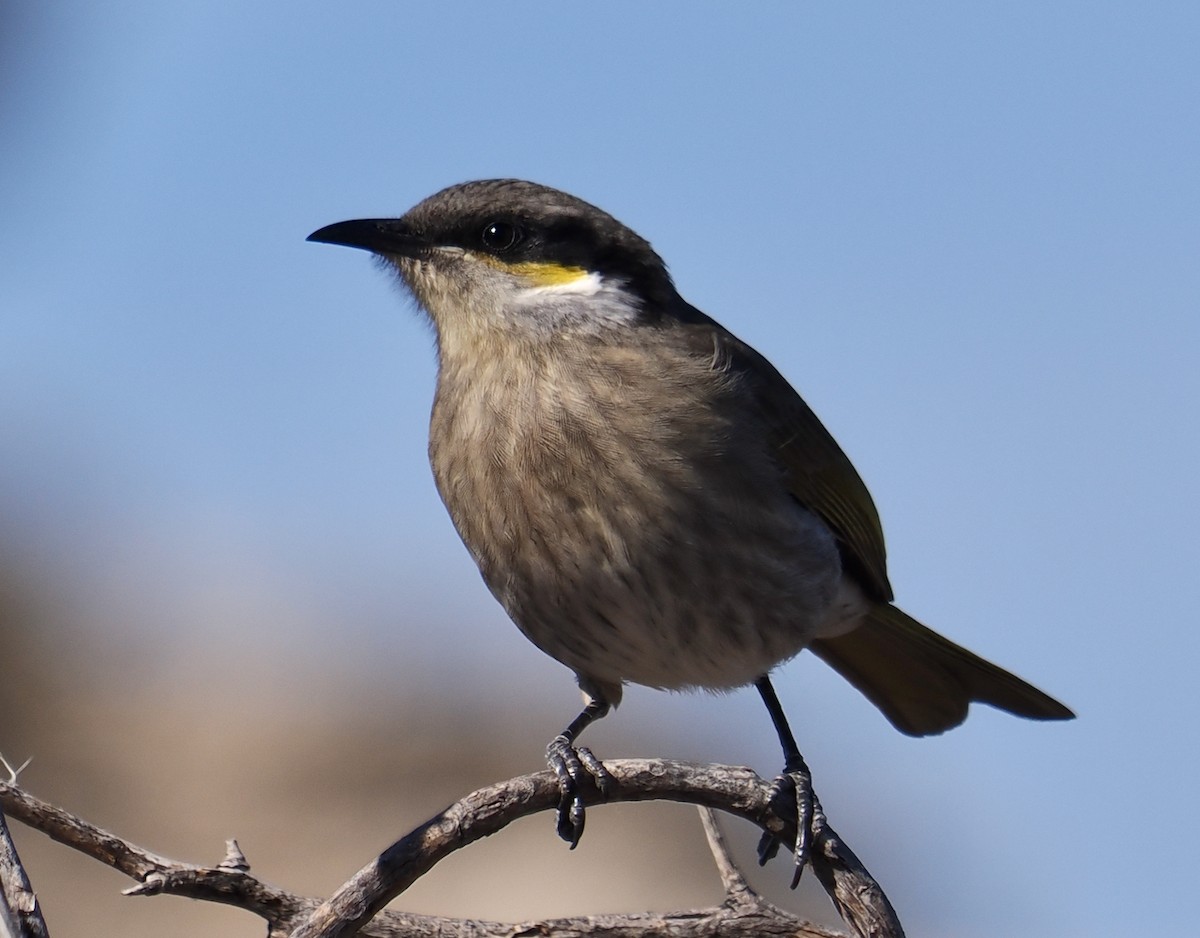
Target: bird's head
<point x="508" y="256"/>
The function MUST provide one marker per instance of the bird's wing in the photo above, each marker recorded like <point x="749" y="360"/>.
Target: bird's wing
<point x="921" y="681"/>
<point x="820" y="475"/>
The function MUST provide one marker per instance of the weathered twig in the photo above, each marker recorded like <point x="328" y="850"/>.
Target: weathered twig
<point x="732" y="879"/>
<point x="859" y="899"/>
<point x="738" y="791"/>
<point x="19" y="911"/>
<point x="20" y="915"/>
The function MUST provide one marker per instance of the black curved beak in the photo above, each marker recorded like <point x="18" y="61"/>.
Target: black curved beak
<point x="379" y="235"/>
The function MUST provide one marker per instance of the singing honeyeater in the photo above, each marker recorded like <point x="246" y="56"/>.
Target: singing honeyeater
<point x="647" y="497"/>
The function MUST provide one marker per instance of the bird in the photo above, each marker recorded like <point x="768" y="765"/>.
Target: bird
<point x="647" y="497"/>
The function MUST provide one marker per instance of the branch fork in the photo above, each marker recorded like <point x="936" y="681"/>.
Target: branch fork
<point x="358" y="906"/>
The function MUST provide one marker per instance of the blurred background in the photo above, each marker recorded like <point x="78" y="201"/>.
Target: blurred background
<point x="231" y="604"/>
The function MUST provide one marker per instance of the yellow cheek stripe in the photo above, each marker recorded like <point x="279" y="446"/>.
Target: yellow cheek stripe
<point x="547" y="275"/>
<point x="538" y="274"/>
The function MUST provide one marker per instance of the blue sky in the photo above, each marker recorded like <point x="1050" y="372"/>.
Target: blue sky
<point x="968" y="233"/>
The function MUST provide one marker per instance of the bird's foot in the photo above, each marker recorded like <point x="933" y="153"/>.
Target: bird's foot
<point x="575" y="768"/>
<point x="795" y="785"/>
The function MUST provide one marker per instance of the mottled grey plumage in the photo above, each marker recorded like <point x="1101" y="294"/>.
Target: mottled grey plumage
<point x="645" y="494"/>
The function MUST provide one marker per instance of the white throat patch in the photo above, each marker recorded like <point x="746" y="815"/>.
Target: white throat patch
<point x="588" y="284"/>
<point x="589" y="302"/>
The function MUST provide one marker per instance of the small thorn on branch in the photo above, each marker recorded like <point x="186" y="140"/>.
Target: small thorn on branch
<point x="14" y="773"/>
<point x="152" y="885"/>
<point x="234" y="858"/>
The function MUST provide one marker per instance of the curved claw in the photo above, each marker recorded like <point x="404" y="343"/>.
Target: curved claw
<point x="768" y="848"/>
<point x="574" y="767"/>
<point x="810" y="819"/>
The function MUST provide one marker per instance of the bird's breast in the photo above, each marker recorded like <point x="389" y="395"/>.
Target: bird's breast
<point x="627" y="512"/>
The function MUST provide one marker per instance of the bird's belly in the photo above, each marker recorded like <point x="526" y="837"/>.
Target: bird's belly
<point x="642" y="574"/>
<point x="713" y="614"/>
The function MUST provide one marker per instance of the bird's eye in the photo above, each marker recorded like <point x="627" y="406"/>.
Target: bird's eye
<point x="500" y="236"/>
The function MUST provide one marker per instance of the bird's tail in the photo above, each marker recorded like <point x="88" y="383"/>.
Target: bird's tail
<point x="923" y="682"/>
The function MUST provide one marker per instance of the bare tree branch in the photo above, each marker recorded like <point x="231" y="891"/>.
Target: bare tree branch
<point x="735" y="790"/>
<point x="20" y="915"/>
<point x="731" y="877"/>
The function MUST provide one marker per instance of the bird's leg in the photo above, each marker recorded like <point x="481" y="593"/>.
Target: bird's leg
<point x="795" y="781"/>
<point x="573" y="765"/>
